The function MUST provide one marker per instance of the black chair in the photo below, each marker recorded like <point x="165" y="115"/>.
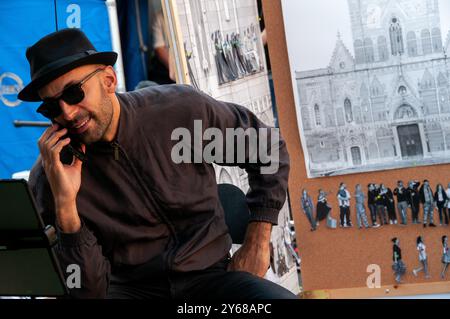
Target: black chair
<point x="237" y="214"/>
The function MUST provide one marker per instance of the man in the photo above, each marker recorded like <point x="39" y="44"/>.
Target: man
<point x="381" y="203"/>
<point x="390" y="206"/>
<point x="402" y="201"/>
<point x="161" y="68"/>
<point x="427" y="199"/>
<point x="414" y="200"/>
<point x="440" y="200"/>
<point x="371" y="195"/>
<point x="360" y="208"/>
<point x="137" y="224"/>
<point x="447" y="206"/>
<point x="344" y="205"/>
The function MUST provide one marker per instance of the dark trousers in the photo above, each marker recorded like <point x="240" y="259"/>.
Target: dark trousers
<point x="309" y="215"/>
<point x="415" y="212"/>
<point x="373" y="213"/>
<point x="443" y="215"/>
<point x="345" y="213"/>
<point x="391" y="212"/>
<point x="214" y="284"/>
<point x="381" y="211"/>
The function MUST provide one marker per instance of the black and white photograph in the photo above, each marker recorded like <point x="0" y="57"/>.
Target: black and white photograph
<point x="223" y="48"/>
<point x="371" y="83"/>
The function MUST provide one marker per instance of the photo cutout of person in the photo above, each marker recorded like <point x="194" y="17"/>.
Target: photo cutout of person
<point x="445" y="256"/>
<point x="414" y="200"/>
<point x="441" y="199"/>
<point x="398" y="266"/>
<point x="380" y="203"/>
<point x="402" y="202"/>
<point x="447" y="205"/>
<point x="371" y="203"/>
<point x="423" y="258"/>
<point x="323" y="209"/>
<point x="427" y="199"/>
<point x="344" y="206"/>
<point x="390" y="205"/>
<point x="360" y="208"/>
<point x="307" y="205"/>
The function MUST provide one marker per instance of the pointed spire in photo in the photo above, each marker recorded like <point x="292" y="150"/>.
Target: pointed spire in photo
<point x="341" y="60"/>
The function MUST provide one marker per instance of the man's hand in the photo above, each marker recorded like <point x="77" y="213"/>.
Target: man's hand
<point x="254" y="255"/>
<point x="64" y="180"/>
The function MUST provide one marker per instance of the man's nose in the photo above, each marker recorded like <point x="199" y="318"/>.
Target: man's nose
<point x="69" y="112"/>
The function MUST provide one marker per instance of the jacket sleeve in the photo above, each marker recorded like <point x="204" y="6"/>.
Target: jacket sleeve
<point x="268" y="170"/>
<point x="408" y="197"/>
<point x="75" y="252"/>
<point x="390" y="195"/>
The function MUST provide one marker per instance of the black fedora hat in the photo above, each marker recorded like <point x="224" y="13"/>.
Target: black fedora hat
<point x="57" y="54"/>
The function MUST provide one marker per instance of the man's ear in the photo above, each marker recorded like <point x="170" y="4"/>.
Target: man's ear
<point x="110" y="79"/>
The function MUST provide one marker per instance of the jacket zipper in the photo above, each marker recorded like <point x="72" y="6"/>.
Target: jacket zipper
<point x="117" y="150"/>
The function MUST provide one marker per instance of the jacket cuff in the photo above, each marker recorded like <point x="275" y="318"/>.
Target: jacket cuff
<point x="266" y="215"/>
<point x="82" y="237"/>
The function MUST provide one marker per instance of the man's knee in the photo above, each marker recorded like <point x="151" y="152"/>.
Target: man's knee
<point x="260" y="288"/>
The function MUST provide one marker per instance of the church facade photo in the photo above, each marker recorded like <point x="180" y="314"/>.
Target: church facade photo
<point x="387" y="104"/>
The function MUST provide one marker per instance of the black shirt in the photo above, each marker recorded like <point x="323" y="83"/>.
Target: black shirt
<point x="401" y="196"/>
<point x="371" y="194"/>
<point x="397" y="251"/>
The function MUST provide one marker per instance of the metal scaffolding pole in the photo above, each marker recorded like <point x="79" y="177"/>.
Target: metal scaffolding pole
<point x="115" y="39"/>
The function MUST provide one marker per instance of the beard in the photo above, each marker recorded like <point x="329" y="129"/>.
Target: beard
<point x="100" y="122"/>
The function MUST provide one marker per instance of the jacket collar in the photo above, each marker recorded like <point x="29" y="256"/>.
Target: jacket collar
<point x="125" y="129"/>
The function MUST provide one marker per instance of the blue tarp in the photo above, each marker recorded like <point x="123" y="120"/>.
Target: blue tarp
<point x="23" y="22"/>
<point x="134" y="69"/>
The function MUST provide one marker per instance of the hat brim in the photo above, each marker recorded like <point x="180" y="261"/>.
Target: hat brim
<point x="30" y="92"/>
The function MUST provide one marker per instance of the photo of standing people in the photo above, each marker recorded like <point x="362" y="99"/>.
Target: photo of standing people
<point x="371" y="96"/>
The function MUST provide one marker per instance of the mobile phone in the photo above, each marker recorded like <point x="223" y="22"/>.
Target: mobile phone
<point x="71" y="150"/>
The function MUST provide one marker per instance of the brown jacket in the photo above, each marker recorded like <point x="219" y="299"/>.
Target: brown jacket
<point x="137" y="205"/>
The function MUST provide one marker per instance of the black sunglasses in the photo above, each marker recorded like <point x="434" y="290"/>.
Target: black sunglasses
<point x="73" y="94"/>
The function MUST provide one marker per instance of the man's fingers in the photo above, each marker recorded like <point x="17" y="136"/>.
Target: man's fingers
<point x="51" y="141"/>
<point x="43" y="140"/>
<point x="57" y="148"/>
<point x="47" y="134"/>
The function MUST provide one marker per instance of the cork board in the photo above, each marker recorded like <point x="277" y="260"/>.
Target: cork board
<point x="333" y="260"/>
